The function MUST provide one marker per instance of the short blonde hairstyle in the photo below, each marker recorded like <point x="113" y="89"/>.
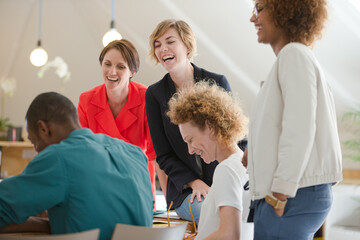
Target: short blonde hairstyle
<point x="206" y="103"/>
<point x="184" y="31"/>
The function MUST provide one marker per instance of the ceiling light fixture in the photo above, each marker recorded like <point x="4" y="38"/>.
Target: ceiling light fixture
<point x="112" y="34"/>
<point x="38" y="56"/>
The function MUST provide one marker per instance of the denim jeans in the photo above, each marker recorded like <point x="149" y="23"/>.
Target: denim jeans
<point x="184" y="212"/>
<point x="303" y="215"/>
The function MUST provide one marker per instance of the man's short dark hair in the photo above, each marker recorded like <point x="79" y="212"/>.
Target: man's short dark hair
<point x="51" y="107"/>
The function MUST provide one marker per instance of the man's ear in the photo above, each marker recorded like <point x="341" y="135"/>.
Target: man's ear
<point x="43" y="128"/>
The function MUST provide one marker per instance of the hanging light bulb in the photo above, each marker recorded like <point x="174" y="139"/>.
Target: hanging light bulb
<point x="112" y="34"/>
<point x="38" y="56"/>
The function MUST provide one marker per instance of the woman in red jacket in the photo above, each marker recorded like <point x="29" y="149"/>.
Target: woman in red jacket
<point x="117" y="107"/>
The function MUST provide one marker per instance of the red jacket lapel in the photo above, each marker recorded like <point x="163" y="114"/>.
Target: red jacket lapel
<point x="104" y="117"/>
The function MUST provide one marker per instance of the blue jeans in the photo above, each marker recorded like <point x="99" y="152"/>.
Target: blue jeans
<point x="184" y="212"/>
<point x="303" y="215"/>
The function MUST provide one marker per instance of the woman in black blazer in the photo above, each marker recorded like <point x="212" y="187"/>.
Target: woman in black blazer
<point x="172" y="45"/>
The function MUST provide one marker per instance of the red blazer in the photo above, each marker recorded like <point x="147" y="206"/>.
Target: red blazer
<point x="130" y="125"/>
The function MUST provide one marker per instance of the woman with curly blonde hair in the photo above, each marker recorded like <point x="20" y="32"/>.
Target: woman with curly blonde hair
<point x="294" y="154"/>
<point x="211" y="123"/>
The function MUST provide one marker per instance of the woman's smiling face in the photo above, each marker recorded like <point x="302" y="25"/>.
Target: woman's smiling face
<point x="267" y="31"/>
<point x="263" y="23"/>
<point x="170" y="50"/>
<point x="115" y="70"/>
<point x="200" y="142"/>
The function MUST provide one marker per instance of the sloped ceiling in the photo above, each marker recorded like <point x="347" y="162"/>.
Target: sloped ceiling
<point x="227" y="44"/>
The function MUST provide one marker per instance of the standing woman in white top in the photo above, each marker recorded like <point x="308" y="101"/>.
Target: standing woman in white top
<point x="294" y="151"/>
<point x="211" y="123"/>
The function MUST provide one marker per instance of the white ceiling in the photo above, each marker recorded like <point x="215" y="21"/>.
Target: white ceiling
<point x="227" y="44"/>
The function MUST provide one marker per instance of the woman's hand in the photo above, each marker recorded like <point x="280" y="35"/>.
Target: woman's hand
<point x="282" y="197"/>
<point x="279" y="211"/>
<point x="244" y="159"/>
<point x="199" y="189"/>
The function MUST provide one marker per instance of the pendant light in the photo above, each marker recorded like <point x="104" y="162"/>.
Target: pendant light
<point x="112" y="34"/>
<point x="38" y="56"/>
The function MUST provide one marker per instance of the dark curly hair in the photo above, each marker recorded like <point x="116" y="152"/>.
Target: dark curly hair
<point x="206" y="103"/>
<point x="301" y="20"/>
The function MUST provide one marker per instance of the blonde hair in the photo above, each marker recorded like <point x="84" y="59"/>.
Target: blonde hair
<point x="206" y="103"/>
<point x="184" y="31"/>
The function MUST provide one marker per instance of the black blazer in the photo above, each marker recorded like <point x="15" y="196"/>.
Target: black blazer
<point x="171" y="150"/>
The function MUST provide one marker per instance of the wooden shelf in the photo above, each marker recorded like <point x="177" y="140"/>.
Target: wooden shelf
<point x="15" y="144"/>
<point x="351" y="176"/>
<point x="14" y="156"/>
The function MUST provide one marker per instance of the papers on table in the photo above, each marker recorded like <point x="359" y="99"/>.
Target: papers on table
<point x="163" y="214"/>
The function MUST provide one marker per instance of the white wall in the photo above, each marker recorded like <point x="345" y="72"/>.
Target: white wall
<point x="227" y="44"/>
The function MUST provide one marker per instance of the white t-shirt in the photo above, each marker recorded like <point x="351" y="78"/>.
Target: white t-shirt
<point x="226" y="190"/>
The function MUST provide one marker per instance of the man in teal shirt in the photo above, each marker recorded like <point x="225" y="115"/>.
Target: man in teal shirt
<point x="84" y="180"/>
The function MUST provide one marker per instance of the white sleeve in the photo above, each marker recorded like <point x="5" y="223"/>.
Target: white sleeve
<point x="298" y="83"/>
<point x="228" y="187"/>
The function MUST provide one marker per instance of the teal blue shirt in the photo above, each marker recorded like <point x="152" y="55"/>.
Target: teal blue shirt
<point x="87" y="181"/>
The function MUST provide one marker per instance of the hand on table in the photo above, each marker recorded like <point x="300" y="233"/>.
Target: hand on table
<point x="32" y="224"/>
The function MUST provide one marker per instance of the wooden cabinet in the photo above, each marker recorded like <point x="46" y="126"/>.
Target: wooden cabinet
<point x="351" y="176"/>
<point x="14" y="156"/>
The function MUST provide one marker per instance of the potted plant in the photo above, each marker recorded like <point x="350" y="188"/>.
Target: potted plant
<point x="7" y="89"/>
<point x="352" y="144"/>
<point x="4" y="126"/>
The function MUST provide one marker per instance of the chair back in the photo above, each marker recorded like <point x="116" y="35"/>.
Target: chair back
<point x="123" y="231"/>
<point x="85" y="235"/>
